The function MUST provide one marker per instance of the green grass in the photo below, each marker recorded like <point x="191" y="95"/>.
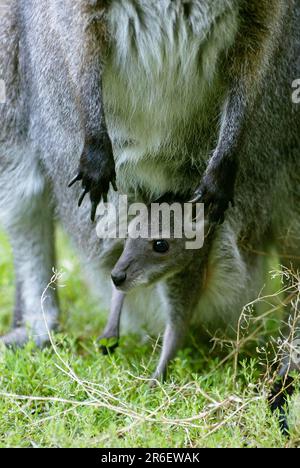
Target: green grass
<point x="72" y="396"/>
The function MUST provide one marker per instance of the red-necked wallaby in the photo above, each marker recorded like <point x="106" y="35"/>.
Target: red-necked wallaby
<point x="178" y="96"/>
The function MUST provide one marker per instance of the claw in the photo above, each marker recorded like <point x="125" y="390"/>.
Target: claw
<point x="97" y="153"/>
<point x="82" y="196"/>
<point x="197" y="197"/>
<point x="77" y="178"/>
<point x="93" y="212"/>
<point x="114" y="185"/>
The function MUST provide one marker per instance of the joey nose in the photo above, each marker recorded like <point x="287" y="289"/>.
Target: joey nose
<point x="118" y="278"/>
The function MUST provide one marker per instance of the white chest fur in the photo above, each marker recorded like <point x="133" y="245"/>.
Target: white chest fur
<point x="160" y="74"/>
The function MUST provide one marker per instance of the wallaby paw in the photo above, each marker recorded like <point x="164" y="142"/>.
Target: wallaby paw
<point x="19" y="337"/>
<point x="216" y="191"/>
<point x="108" y="344"/>
<point x="96" y="171"/>
<point x="216" y="201"/>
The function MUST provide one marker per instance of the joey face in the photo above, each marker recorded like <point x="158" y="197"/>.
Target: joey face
<point x="145" y="261"/>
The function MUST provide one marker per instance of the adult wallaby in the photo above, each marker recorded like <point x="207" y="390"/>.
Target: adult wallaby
<point x="192" y="90"/>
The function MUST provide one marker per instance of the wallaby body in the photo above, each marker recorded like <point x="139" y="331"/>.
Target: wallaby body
<point x="192" y="90"/>
<point x="191" y="283"/>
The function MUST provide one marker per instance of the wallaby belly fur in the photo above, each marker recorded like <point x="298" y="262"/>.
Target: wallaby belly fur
<point x="163" y="89"/>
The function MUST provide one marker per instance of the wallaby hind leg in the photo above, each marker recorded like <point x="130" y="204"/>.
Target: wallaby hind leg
<point x="28" y="218"/>
<point x="109" y="340"/>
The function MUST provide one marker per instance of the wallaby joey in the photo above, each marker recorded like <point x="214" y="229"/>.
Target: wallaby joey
<point x="141" y="265"/>
<point x="186" y="279"/>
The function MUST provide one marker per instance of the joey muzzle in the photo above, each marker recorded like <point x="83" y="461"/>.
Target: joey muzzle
<point x="118" y="278"/>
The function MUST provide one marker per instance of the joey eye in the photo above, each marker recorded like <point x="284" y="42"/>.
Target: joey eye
<point x="160" y="246"/>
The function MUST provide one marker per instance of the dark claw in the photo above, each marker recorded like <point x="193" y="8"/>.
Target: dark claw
<point x="93" y="212"/>
<point x="77" y="178"/>
<point x="82" y="196"/>
<point x="96" y="171"/>
<point x="114" y="185"/>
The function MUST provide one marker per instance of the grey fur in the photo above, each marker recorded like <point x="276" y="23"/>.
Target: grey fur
<point x="171" y="101"/>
